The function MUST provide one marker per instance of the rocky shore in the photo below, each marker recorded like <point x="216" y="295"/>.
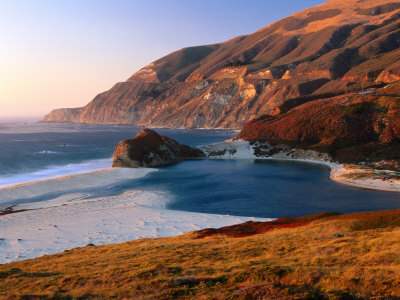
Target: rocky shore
<point x="149" y="149"/>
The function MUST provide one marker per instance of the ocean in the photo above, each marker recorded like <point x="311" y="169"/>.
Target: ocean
<point x="35" y="151"/>
<point x="259" y="188"/>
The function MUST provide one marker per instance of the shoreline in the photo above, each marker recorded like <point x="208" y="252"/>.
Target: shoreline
<point x="145" y="126"/>
<point x="71" y="183"/>
<point x="71" y="219"/>
<point x="232" y="149"/>
<point x="240" y="149"/>
<point x="56" y="172"/>
<point x="21" y="184"/>
<point x="130" y="216"/>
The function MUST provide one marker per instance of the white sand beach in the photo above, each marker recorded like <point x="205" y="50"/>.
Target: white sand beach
<point x="70" y="220"/>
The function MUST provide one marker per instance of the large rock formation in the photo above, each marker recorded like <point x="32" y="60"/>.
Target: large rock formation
<point x="334" y="48"/>
<point x="149" y="149"/>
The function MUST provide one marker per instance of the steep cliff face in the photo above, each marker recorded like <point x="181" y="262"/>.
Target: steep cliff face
<point x="340" y="46"/>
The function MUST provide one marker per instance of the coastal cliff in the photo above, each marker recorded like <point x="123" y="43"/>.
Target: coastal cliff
<point x="322" y="52"/>
<point x="352" y="128"/>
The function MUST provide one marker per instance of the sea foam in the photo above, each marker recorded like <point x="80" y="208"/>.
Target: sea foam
<point x="56" y="171"/>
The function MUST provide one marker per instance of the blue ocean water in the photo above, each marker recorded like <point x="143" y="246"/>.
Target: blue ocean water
<point x="33" y="151"/>
<point x="238" y="187"/>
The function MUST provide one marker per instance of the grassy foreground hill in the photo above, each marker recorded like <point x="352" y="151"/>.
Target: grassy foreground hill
<point x="324" y="256"/>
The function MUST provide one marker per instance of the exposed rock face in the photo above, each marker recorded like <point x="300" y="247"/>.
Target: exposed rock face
<point x="337" y="47"/>
<point x="350" y="128"/>
<point x="63" y="115"/>
<point x="149" y="149"/>
<point x="391" y="73"/>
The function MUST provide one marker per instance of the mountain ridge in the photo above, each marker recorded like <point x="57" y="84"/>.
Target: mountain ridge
<point x="336" y="47"/>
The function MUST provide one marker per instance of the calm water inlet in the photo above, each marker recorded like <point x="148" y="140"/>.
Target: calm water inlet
<point x="260" y="188"/>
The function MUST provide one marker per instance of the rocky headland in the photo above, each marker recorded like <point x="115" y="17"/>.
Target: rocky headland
<point x="149" y="149"/>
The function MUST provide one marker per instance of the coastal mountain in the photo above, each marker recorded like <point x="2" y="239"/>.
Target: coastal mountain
<point x="323" y="55"/>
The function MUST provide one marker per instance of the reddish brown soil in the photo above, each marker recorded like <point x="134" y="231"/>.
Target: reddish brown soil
<point x="251" y="228"/>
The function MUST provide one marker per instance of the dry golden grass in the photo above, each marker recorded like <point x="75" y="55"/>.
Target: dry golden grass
<point x="329" y="258"/>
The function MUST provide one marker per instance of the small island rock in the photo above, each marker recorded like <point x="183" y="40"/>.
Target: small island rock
<point x="149" y="149"/>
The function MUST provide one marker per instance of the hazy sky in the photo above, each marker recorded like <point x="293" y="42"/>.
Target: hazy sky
<point x="61" y="53"/>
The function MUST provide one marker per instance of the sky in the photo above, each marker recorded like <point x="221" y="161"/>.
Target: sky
<point x="62" y="53"/>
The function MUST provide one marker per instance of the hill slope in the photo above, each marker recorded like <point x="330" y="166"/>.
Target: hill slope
<point x="353" y="127"/>
<point x="315" y="257"/>
<point x="337" y="47"/>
